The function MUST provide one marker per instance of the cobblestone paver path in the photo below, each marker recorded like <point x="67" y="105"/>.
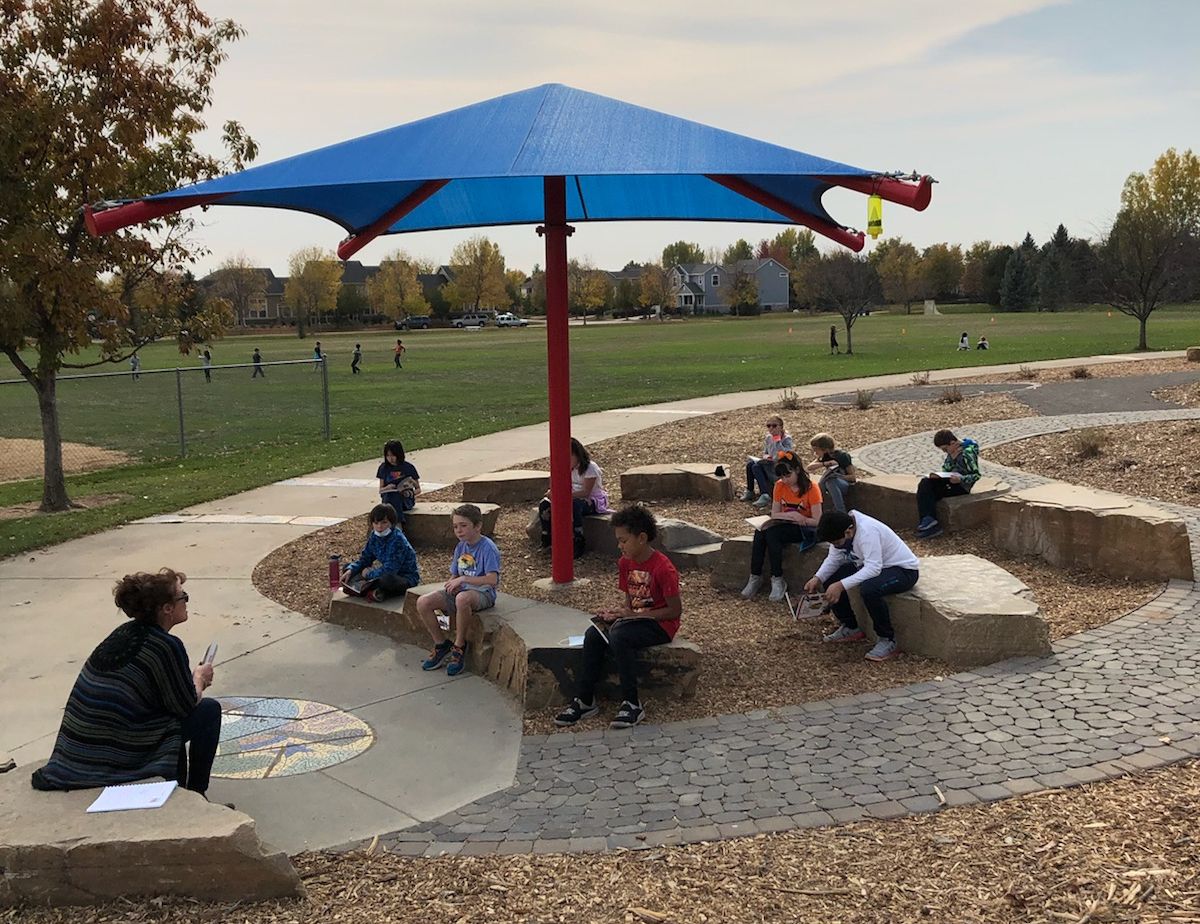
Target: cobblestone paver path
<point x="1119" y="698"/>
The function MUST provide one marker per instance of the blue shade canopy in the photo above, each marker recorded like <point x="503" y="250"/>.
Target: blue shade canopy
<point x="622" y="162"/>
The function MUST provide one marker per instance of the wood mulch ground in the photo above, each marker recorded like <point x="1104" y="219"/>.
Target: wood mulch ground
<point x="1160" y="460"/>
<point x="1098" y="371"/>
<point x="1120" y="851"/>
<point x="745" y="643"/>
<point x="1186" y="395"/>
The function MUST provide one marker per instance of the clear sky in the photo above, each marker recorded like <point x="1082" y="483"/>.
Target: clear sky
<point x="1028" y="113"/>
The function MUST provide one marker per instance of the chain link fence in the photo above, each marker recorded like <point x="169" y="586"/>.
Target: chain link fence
<point x="118" y="418"/>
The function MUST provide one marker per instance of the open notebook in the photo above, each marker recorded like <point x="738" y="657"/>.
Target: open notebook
<point x="133" y="796"/>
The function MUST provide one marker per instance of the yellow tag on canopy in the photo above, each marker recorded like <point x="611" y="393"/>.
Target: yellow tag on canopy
<point x="874" y="216"/>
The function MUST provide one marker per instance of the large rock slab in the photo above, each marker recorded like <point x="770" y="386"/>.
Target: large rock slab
<point x="53" y="853"/>
<point x="521" y="646"/>
<point x="966" y="611"/>
<point x="506" y="488"/>
<point x="428" y="524"/>
<point x="691" y="480"/>
<point x="683" y="542"/>
<point x="892" y="499"/>
<point x="732" y="566"/>
<point x="1070" y="526"/>
<point x="1193" y="354"/>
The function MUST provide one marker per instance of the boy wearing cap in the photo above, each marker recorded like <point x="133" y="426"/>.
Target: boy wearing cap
<point x="866" y="554"/>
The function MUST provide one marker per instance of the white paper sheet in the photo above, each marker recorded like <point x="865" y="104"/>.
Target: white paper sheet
<point x="132" y="796"/>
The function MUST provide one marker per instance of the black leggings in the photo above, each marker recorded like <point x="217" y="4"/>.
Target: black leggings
<point x="770" y="542"/>
<point x="625" y="639"/>
<point x="202" y="731"/>
<point x="580" y="507"/>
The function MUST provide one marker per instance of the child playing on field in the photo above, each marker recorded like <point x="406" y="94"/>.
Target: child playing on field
<point x="649" y="616"/>
<point x="396" y="571"/>
<point x="474" y="578"/>
<point x="399" y="483"/>
<point x="834" y="467"/>
<point x="795" y="510"/>
<point x="399" y="350"/>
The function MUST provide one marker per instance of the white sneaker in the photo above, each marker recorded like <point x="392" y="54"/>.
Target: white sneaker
<point x="884" y="649"/>
<point x="749" y="495"/>
<point x="778" y="590"/>
<point x="764" y="500"/>
<point x="752" y="586"/>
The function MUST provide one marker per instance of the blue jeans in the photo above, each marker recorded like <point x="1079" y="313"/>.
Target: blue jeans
<point x="760" y="474"/>
<point x="836" y="486"/>
<point x="889" y="581"/>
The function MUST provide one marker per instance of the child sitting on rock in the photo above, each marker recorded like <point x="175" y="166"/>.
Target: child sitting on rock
<point x="795" y="510"/>
<point x="474" y="578"/>
<point x="834" y="467"/>
<point x="387" y="566"/>
<point x="649" y="616"/>
<point x="960" y="471"/>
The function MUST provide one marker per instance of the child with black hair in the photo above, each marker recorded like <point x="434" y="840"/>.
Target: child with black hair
<point x="387" y="566"/>
<point x="399" y="483"/>
<point x="649" y="616"/>
<point x="795" y="510"/>
<point x="587" y="496"/>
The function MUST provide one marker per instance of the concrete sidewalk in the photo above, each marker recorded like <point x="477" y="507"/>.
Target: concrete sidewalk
<point x="437" y="745"/>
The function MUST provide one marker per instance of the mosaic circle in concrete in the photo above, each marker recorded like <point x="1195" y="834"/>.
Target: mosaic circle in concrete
<point x="266" y="737"/>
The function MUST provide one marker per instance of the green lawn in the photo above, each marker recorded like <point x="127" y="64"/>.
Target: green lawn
<point x="456" y="384"/>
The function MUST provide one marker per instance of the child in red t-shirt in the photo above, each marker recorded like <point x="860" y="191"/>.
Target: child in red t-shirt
<point x="795" y="510"/>
<point x="650" y="616"/>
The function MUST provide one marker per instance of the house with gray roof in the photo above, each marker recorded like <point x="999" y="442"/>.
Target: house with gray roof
<point x="702" y="288"/>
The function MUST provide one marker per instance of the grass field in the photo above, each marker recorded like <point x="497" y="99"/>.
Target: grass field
<point x="456" y="384"/>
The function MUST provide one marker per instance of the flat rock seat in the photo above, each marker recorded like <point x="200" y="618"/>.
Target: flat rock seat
<point x="428" y="524"/>
<point x="53" y="853"/>
<point x="892" y="499"/>
<point x="1193" y="354"/>
<point x="506" y="488"/>
<point x="1070" y="526"/>
<point x="692" y="480"/>
<point x="687" y="545"/>
<point x="964" y="610"/>
<point x="521" y="646"/>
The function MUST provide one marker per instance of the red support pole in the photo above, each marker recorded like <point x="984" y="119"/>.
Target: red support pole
<point x="106" y="221"/>
<point x="360" y="239"/>
<point x="558" y="379"/>
<point x="852" y="239"/>
<point x="915" y="195"/>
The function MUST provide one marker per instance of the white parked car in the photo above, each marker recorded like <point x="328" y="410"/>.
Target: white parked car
<point x="508" y="319"/>
<point x="470" y="320"/>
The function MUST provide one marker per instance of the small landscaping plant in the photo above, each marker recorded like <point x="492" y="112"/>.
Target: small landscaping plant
<point x="864" y="398"/>
<point x="1089" y="444"/>
<point x="951" y="394"/>
<point x="789" y="400"/>
<point x="1081" y="372"/>
<point x="920" y="378"/>
<point x="1027" y="373"/>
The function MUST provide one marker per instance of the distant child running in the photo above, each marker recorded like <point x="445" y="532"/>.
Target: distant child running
<point x="258" y="369"/>
<point x="399" y="483"/>
<point x="318" y="356"/>
<point x="649" y="616"/>
<point x="135" y="366"/>
<point x="835" y="468"/>
<point x="960" y="471"/>
<point x="207" y="360"/>
<point x="833" y="344"/>
<point x="795" y="510"/>
<point x="396" y="570"/>
<point x="474" y="578"/>
<point x="398" y="350"/>
<point x="356" y="358"/>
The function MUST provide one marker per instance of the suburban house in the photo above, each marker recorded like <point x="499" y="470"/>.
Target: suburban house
<point x="701" y="288"/>
<point x="270" y="306"/>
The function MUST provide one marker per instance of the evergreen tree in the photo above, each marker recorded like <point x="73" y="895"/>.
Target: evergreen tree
<point x="993" y="274"/>
<point x="1018" y="285"/>
<point x="1051" y="282"/>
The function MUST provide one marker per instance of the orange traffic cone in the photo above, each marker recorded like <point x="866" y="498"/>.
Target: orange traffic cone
<point x="993" y="319"/>
<point x="789" y="331"/>
<point x="904" y="330"/>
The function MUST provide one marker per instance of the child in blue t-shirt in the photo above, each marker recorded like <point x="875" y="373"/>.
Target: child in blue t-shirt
<point x="399" y="483"/>
<point x="474" y="577"/>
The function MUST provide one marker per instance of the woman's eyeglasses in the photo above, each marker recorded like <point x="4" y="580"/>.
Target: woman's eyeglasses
<point x="182" y="598"/>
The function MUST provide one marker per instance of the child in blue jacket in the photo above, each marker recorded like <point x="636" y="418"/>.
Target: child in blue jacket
<point x="388" y="564"/>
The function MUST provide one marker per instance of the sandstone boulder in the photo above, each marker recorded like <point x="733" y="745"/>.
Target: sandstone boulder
<point x="53" y="853"/>
<point x="694" y="480"/>
<point x="1071" y="526"/>
<point x="1193" y="354"/>
<point x="428" y="524"/>
<point x="732" y="566"/>
<point x="506" y="488"/>
<point x="686" y="544"/>
<point x="892" y="499"/>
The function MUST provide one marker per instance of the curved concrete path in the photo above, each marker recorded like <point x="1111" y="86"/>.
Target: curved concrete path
<point x="421" y="766"/>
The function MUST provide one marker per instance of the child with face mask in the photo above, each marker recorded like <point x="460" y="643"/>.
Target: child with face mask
<point x="388" y="564"/>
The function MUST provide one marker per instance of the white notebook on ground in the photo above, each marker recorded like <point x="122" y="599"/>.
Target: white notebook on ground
<point x="133" y="796"/>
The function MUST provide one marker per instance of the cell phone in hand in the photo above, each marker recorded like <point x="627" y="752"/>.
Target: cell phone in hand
<point x="210" y="655"/>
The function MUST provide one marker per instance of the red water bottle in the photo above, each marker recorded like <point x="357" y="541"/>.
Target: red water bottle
<point x="335" y="572"/>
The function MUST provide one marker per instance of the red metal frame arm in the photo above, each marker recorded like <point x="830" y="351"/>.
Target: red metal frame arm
<point x="852" y="239"/>
<point x="914" y="195"/>
<point x="106" y="221"/>
<point x="360" y="239"/>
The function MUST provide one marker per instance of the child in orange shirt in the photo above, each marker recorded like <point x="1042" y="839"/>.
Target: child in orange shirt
<point x="795" y="510"/>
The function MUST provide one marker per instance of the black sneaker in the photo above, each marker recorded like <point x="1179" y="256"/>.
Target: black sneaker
<point x="576" y="711"/>
<point x="628" y="715"/>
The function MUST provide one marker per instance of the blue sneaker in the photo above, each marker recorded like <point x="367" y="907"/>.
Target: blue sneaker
<point x="457" y="662"/>
<point x="925" y="523"/>
<point x="934" y="529"/>
<point x="439" y="654"/>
